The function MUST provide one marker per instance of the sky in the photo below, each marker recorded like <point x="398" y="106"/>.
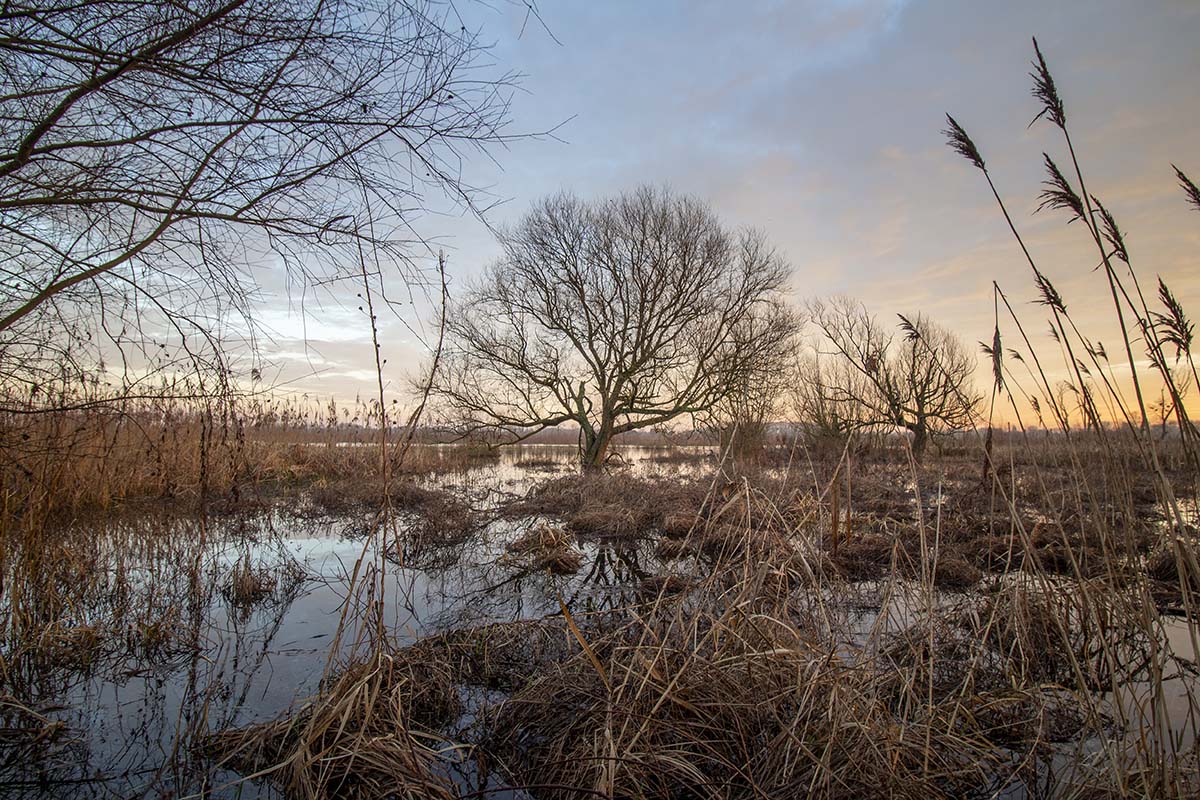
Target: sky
<point x="820" y="123"/>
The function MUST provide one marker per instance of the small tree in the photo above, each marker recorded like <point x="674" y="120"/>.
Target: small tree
<point x="614" y="315"/>
<point x="742" y="418"/>
<point x="921" y="382"/>
<point x="825" y="417"/>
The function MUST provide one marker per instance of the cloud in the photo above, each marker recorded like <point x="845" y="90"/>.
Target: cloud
<point x="820" y="123"/>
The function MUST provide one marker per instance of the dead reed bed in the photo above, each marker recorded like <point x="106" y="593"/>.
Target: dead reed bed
<point x="616" y="504"/>
<point x="768" y="665"/>
<point x="81" y="454"/>
<point x="371" y="734"/>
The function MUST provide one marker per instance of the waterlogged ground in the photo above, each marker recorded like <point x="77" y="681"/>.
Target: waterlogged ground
<point x="163" y="648"/>
<point x="133" y="687"/>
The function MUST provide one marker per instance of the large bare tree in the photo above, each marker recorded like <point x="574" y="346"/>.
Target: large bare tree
<point x="156" y="157"/>
<point x="920" y="382"/>
<point x="613" y="315"/>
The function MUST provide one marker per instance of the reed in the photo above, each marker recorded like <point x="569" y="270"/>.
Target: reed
<point x="836" y="622"/>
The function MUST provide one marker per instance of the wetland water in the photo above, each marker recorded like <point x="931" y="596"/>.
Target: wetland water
<point x="162" y="649"/>
<point x="165" y="651"/>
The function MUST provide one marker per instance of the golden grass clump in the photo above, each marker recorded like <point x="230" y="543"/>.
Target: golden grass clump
<point x="248" y="585"/>
<point x="865" y="557"/>
<point x="370" y="734"/>
<point x="1175" y="569"/>
<point x="545" y="546"/>
<point x="678" y="525"/>
<point x="722" y="696"/>
<point x="956" y="574"/>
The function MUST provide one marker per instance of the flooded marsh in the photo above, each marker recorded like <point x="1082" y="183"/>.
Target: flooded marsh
<point x="512" y="617"/>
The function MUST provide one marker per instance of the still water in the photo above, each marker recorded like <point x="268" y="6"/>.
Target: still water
<point x="166" y="653"/>
<point x="161" y="652"/>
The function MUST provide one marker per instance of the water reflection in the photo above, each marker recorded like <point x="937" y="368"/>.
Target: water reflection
<point x="161" y="647"/>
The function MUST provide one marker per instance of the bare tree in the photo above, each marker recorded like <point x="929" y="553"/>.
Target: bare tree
<point x="742" y="418"/>
<point x="157" y="157"/>
<point x="614" y="315"/>
<point x="921" y="382"/>
<point x="825" y="416"/>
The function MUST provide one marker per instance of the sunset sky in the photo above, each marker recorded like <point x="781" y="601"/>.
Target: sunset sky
<point x="820" y="122"/>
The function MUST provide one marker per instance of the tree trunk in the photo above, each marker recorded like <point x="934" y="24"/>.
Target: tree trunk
<point x="595" y="447"/>
<point x="920" y="439"/>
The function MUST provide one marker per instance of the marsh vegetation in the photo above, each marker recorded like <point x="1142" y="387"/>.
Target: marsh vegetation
<point x="821" y="625"/>
<point x="853" y="579"/>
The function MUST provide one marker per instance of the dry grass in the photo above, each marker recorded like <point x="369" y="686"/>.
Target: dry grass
<point x="722" y="707"/>
<point x="545" y="547"/>
<point x="248" y="585"/>
<point x="368" y="736"/>
<point x="615" y="505"/>
<point x="275" y="579"/>
<point x="746" y="671"/>
<point x="220" y="452"/>
<point x="757" y="675"/>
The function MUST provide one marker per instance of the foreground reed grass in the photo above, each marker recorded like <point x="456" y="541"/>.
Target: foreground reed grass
<point x="759" y="664"/>
<point x="361" y="740"/>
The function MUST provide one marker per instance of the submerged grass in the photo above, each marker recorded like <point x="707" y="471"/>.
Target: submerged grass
<point x="545" y="547"/>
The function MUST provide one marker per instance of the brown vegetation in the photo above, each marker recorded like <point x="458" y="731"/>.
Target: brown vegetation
<point x="363" y="739"/>
<point x="173" y="453"/>
<point x="754" y="677"/>
<point x="1011" y="615"/>
<point x="546" y="547"/>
